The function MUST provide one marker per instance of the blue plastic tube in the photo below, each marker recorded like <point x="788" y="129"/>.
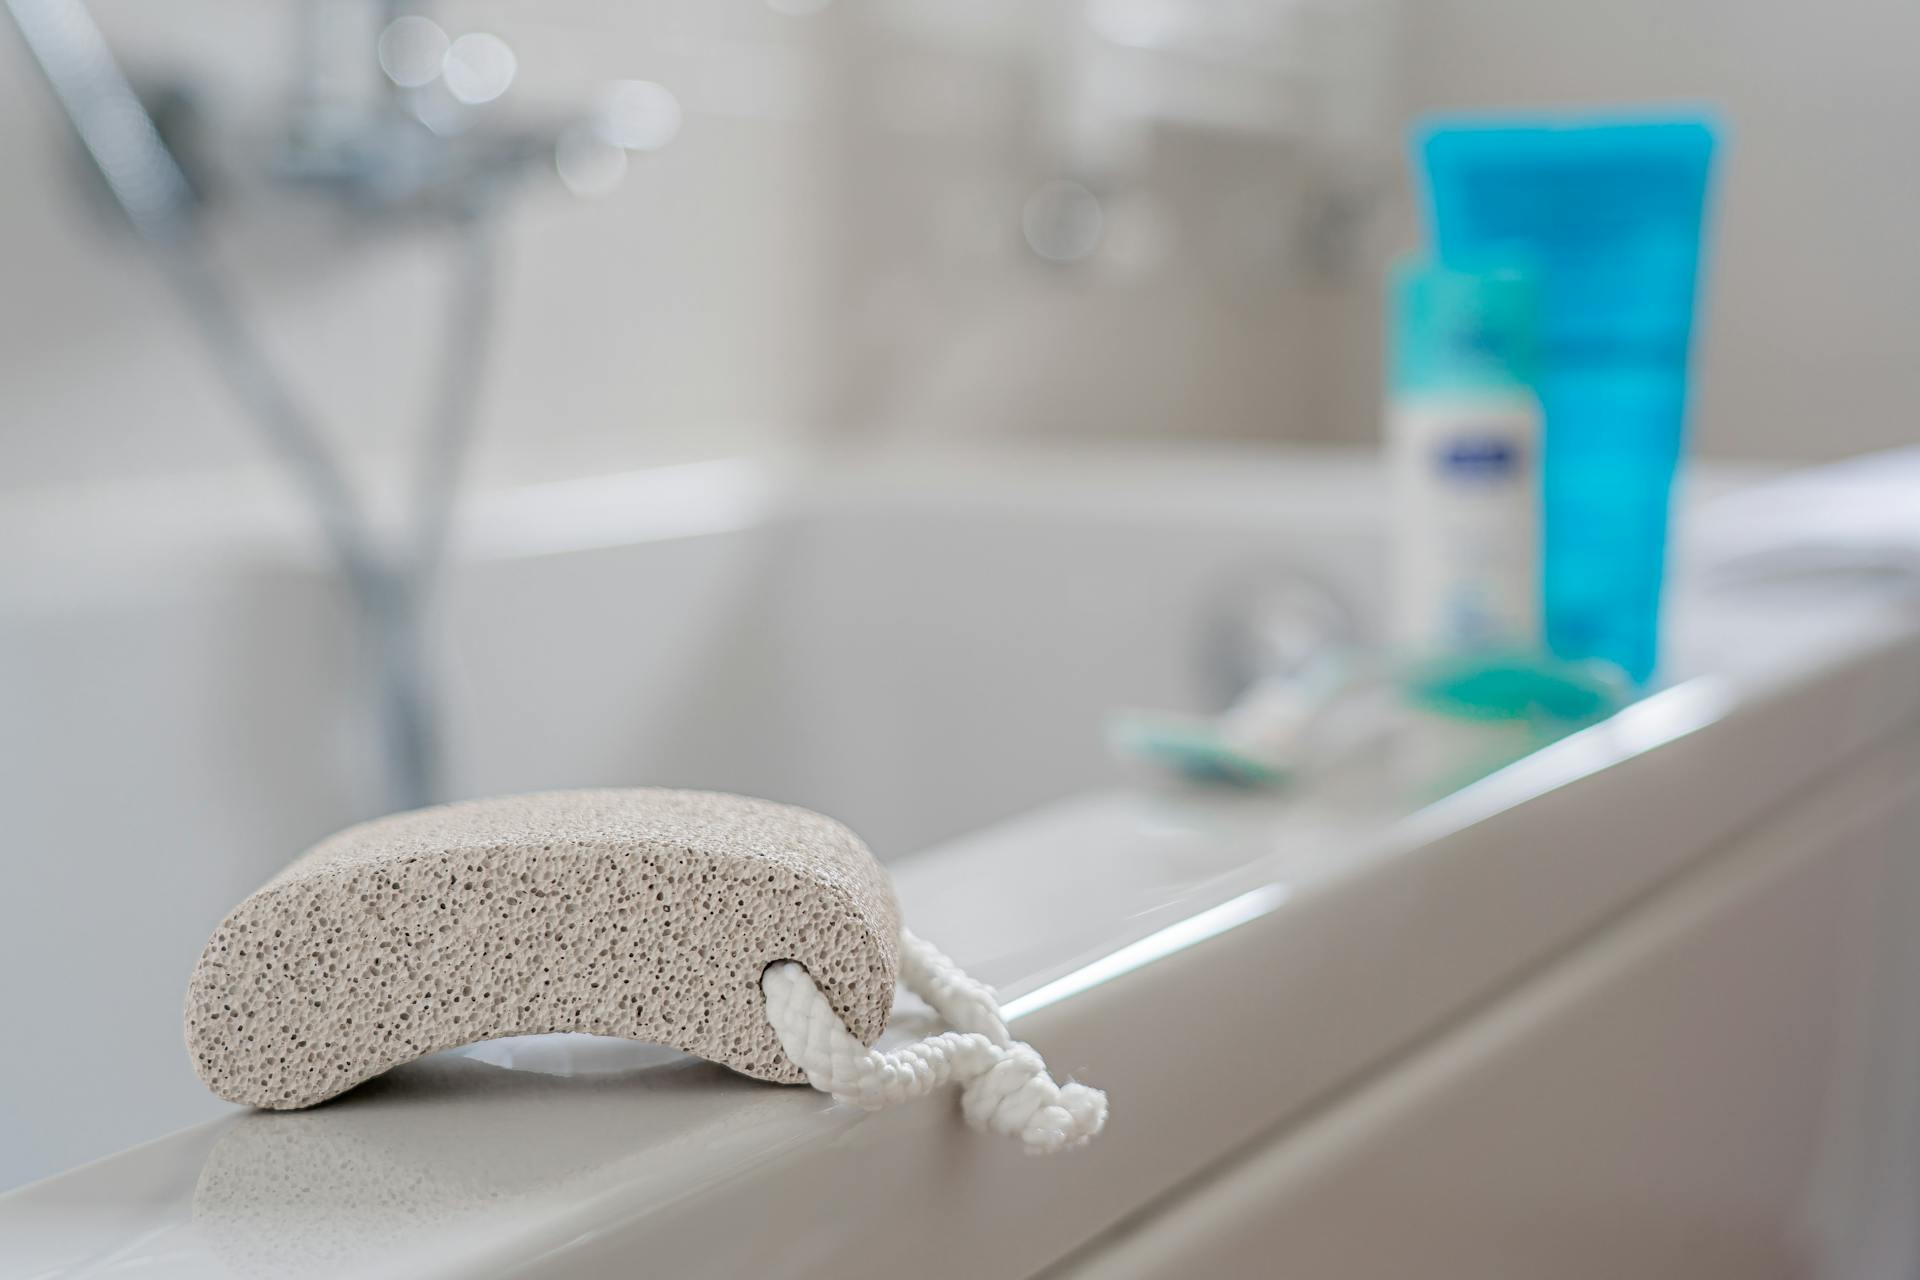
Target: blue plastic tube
<point x="1608" y="218"/>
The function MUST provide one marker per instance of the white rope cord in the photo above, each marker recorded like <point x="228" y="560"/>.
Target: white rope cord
<point x="1004" y="1084"/>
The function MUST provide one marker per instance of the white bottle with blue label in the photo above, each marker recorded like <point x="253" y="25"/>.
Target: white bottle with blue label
<point x="1463" y="435"/>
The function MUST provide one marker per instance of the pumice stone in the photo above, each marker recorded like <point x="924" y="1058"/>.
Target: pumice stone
<point x="647" y="914"/>
<point x="756" y="935"/>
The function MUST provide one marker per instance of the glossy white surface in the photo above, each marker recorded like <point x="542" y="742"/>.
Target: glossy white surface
<point x="917" y="649"/>
<point x="1720" y="1086"/>
<point x="1293" y="941"/>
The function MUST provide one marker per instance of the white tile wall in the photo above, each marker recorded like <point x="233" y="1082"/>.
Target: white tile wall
<point x="666" y="319"/>
<point x="834" y="241"/>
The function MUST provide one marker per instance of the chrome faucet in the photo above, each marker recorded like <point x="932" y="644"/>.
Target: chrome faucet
<point x="417" y="149"/>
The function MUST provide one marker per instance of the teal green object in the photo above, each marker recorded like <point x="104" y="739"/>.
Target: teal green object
<point x="1462" y="332"/>
<point x="1194" y="750"/>
<point x="1609" y="216"/>
<point x="1518" y="686"/>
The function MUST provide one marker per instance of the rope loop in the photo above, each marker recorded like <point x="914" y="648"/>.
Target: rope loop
<point x="1004" y="1084"/>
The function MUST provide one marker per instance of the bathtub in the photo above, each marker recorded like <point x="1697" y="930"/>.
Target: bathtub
<point x="1636" y="1003"/>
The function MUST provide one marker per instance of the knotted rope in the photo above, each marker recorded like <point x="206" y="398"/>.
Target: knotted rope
<point x="1004" y="1085"/>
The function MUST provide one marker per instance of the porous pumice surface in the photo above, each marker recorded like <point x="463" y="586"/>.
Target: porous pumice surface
<point x="644" y="913"/>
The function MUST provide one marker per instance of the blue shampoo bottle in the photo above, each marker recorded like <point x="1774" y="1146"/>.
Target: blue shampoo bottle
<point x="1608" y="215"/>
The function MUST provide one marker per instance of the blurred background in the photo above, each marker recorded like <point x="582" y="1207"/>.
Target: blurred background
<point x="1099" y="221"/>
<point x="592" y="237"/>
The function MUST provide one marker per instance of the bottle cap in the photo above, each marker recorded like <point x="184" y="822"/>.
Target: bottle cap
<point x="1462" y="331"/>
